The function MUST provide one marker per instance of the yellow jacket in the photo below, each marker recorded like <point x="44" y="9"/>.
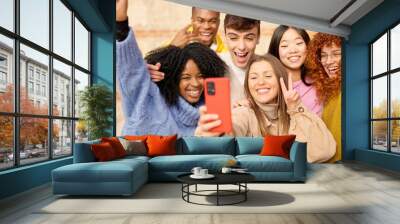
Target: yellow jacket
<point x="332" y="116"/>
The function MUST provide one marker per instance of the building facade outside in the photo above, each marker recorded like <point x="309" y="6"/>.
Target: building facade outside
<point x="34" y="82"/>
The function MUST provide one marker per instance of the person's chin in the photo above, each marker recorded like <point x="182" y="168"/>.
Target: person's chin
<point x="264" y="99"/>
<point x="192" y="100"/>
<point x="207" y="41"/>
<point x="294" y="66"/>
<point x="241" y="63"/>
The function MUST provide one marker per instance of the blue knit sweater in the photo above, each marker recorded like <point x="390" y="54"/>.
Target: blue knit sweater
<point x="145" y="109"/>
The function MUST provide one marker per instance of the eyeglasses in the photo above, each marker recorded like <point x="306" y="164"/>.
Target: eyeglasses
<point x="334" y="56"/>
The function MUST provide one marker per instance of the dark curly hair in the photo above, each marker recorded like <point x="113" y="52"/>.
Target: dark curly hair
<point x="276" y="39"/>
<point x="326" y="87"/>
<point x="173" y="60"/>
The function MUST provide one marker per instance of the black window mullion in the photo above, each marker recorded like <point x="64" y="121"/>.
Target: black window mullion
<point x="81" y="68"/>
<point x="89" y="59"/>
<point x="50" y="87"/>
<point x="389" y="101"/>
<point x="371" y="93"/>
<point x="16" y="83"/>
<point x="73" y="82"/>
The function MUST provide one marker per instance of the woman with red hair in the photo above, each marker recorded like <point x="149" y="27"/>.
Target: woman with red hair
<point x="324" y="67"/>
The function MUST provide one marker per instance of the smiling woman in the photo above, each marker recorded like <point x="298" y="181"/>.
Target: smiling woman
<point x="184" y="69"/>
<point x="289" y="45"/>
<point x="169" y="106"/>
<point x="275" y="109"/>
<point x="324" y="65"/>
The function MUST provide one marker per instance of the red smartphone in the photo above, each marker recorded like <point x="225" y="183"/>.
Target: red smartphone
<point x="218" y="101"/>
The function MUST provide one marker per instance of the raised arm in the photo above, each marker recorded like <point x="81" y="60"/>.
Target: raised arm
<point x="132" y="73"/>
<point x="308" y="127"/>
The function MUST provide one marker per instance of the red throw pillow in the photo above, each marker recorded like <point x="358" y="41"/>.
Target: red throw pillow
<point x="116" y="145"/>
<point x="277" y="145"/>
<point x="103" y="152"/>
<point x="161" y="145"/>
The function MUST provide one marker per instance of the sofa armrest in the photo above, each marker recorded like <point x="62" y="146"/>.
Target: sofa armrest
<point x="298" y="155"/>
<point x="83" y="152"/>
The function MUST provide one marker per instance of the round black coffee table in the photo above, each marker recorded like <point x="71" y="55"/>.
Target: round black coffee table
<point x="238" y="179"/>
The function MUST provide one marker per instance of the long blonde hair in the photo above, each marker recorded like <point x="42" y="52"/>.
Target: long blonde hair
<point x="279" y="71"/>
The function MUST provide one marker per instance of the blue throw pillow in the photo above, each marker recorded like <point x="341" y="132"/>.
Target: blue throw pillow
<point x="249" y="145"/>
<point x="206" y="145"/>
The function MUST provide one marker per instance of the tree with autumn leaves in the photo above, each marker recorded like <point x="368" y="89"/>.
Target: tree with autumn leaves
<point x="379" y="127"/>
<point x="33" y="131"/>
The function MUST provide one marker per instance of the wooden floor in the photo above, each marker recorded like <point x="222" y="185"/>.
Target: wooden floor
<point x="377" y="188"/>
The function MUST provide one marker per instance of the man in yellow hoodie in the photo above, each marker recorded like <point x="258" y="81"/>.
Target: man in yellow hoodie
<point x="203" y="29"/>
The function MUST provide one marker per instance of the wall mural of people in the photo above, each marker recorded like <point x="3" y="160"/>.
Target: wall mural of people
<point x="284" y="80"/>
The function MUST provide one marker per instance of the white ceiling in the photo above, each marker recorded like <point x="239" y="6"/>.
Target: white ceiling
<point x="328" y="16"/>
<point x="320" y="9"/>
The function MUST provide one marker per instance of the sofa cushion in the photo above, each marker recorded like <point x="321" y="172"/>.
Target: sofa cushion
<point x="112" y="171"/>
<point x="129" y="159"/>
<point x="83" y="152"/>
<point x="206" y="145"/>
<point x="257" y="163"/>
<point x="185" y="163"/>
<point x="249" y="145"/>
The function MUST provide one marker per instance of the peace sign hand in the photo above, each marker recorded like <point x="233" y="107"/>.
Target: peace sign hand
<point x="290" y="95"/>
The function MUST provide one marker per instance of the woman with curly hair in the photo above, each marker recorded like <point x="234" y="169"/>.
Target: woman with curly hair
<point x="170" y="106"/>
<point x="325" y="69"/>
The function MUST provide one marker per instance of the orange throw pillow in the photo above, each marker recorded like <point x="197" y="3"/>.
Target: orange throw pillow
<point x="161" y="145"/>
<point x="103" y="152"/>
<point x="277" y="145"/>
<point x="116" y="145"/>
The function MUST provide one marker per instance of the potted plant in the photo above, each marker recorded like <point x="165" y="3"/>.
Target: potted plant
<point x="96" y="102"/>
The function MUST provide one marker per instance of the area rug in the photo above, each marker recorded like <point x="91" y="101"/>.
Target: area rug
<point x="167" y="198"/>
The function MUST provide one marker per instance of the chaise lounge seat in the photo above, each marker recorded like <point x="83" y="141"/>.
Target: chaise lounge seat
<point x="118" y="177"/>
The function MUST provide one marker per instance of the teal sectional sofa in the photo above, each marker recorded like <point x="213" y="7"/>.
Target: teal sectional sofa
<point x="125" y="176"/>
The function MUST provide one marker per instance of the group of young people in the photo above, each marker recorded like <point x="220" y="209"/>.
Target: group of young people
<point x="293" y="89"/>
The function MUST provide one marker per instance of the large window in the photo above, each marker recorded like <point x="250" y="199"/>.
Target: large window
<point x="385" y="93"/>
<point x="44" y="64"/>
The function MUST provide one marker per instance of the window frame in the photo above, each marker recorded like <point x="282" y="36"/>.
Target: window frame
<point x="16" y="114"/>
<point x="388" y="74"/>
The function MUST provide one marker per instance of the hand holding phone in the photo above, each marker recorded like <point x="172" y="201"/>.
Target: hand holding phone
<point x="217" y="96"/>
